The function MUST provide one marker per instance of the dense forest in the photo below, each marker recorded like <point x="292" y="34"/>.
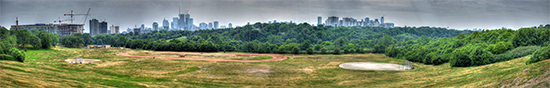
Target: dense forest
<point x="273" y="38"/>
<point x="477" y="48"/>
<point x="35" y="39"/>
<point x="429" y="45"/>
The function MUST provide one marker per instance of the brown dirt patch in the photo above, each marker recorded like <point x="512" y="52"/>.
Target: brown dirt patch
<point x="275" y="56"/>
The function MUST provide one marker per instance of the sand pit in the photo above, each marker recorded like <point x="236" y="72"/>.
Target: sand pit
<point x="372" y="66"/>
<point x="84" y="61"/>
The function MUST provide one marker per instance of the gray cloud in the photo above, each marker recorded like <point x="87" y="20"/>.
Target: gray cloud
<point x="458" y="14"/>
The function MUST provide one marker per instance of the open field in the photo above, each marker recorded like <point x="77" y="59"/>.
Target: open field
<point x="47" y="68"/>
<point x="225" y="56"/>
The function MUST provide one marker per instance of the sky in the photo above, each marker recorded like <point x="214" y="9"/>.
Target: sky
<point x="454" y="14"/>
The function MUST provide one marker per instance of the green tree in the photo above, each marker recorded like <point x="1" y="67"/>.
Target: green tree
<point x="539" y="55"/>
<point x="296" y="50"/>
<point x="336" y="51"/>
<point x="525" y="37"/>
<point x="309" y="50"/>
<point x="324" y="50"/>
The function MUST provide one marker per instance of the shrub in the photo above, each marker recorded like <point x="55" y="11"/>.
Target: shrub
<point x="309" y="50"/>
<point x="324" y="50"/>
<point x="296" y="50"/>
<point x="539" y="55"/>
<point x="470" y="55"/>
<point x="346" y="51"/>
<point x="336" y="51"/>
<point x="7" y="57"/>
<point x="515" y="53"/>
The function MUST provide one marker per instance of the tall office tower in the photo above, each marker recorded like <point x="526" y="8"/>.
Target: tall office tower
<point x="186" y="22"/>
<point x="94" y="27"/>
<point x="155" y="26"/>
<point x="210" y="25"/>
<point x="367" y="21"/>
<point x="114" y="29"/>
<point x="376" y="23"/>
<point x="165" y="24"/>
<point x="274" y="21"/>
<point x="103" y="27"/>
<point x="341" y="23"/>
<point x="175" y="24"/>
<point x="230" y="25"/>
<point x="190" y="24"/>
<point x="382" y="20"/>
<point x="171" y="25"/>
<point x="202" y="25"/>
<point x="181" y="22"/>
<point x="142" y="27"/>
<point x="332" y="21"/>
<point x="319" y="20"/>
<point x="269" y="22"/>
<point x="216" y="25"/>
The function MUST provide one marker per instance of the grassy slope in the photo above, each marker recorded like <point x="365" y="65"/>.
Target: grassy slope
<point x="298" y="71"/>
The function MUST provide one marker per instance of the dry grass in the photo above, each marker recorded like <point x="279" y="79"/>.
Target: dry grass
<point x="300" y="71"/>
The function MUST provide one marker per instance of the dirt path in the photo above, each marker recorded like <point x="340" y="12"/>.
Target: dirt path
<point x="275" y="57"/>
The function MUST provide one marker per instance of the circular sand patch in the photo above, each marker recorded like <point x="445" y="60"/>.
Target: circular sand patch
<point x="84" y="61"/>
<point x="372" y="66"/>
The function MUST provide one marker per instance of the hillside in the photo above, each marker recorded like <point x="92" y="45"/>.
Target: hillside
<point x="47" y="68"/>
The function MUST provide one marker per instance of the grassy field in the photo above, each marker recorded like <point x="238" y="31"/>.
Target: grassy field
<point x="47" y="68"/>
<point x="204" y="56"/>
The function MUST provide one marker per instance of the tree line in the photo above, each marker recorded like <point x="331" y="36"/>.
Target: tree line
<point x="477" y="48"/>
<point x="23" y="38"/>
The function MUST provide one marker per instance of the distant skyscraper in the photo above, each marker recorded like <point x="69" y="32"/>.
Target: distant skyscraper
<point x="216" y="25"/>
<point x="103" y="27"/>
<point x="155" y="26"/>
<point x="319" y="20"/>
<point x="230" y="25"/>
<point x="129" y="30"/>
<point x="142" y="27"/>
<point x="94" y="27"/>
<point x="203" y="25"/>
<point x="114" y="29"/>
<point x="210" y="25"/>
<point x="181" y="22"/>
<point x="274" y="21"/>
<point x="367" y="21"/>
<point x="175" y="24"/>
<point x="165" y="24"/>
<point x="382" y="20"/>
<point x="189" y="23"/>
<point x="332" y="21"/>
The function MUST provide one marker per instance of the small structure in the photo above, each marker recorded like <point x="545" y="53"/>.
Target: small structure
<point x="182" y="55"/>
<point x="98" y="46"/>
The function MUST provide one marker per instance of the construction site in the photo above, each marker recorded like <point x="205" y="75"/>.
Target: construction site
<point x="58" y="26"/>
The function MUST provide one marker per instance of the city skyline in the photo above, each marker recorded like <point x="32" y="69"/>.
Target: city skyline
<point x="126" y="14"/>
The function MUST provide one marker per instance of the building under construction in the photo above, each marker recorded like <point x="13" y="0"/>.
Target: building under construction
<point x="60" y="29"/>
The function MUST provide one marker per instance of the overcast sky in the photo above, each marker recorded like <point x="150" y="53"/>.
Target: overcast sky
<point x="456" y="14"/>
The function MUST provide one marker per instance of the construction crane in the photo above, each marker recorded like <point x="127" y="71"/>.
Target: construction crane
<point x="72" y="15"/>
<point x="59" y="20"/>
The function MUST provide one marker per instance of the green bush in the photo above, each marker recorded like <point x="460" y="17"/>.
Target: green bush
<point x="336" y="51"/>
<point x="309" y="50"/>
<point x="539" y="55"/>
<point x="7" y="57"/>
<point x="324" y="50"/>
<point x="18" y="55"/>
<point x="346" y="51"/>
<point x="470" y="55"/>
<point x="515" y="53"/>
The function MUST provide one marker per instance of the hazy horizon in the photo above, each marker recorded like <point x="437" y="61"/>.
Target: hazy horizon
<point x="464" y="14"/>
